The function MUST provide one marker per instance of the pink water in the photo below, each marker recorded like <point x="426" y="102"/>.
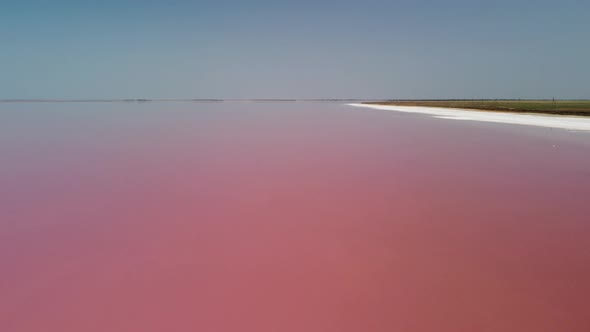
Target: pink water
<point x="288" y="217"/>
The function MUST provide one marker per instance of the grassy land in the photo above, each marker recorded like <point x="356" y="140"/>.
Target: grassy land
<point x="561" y="107"/>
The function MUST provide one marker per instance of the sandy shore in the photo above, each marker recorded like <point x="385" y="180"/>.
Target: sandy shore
<point x="551" y="121"/>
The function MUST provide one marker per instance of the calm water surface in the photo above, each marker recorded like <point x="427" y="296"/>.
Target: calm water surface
<point x="288" y="217"/>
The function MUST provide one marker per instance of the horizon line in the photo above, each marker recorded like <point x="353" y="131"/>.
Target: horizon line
<point x="145" y="100"/>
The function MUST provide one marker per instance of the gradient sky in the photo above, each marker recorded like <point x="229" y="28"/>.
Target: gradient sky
<point x="294" y="49"/>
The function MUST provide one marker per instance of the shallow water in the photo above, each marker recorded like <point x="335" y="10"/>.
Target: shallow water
<point x="288" y="217"/>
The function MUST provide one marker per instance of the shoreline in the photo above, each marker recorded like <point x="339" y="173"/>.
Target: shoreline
<point x="571" y="107"/>
<point x="574" y="123"/>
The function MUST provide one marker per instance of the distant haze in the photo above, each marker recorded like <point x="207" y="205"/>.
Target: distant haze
<point x="294" y="49"/>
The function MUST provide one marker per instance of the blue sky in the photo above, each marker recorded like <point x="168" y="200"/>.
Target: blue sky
<point x="294" y="49"/>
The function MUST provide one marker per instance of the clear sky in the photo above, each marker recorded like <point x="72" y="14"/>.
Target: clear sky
<point x="294" y="49"/>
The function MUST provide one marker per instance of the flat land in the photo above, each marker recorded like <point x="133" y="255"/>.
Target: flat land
<point x="558" y="107"/>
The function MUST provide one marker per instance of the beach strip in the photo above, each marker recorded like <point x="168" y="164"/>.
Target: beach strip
<point x="576" y="123"/>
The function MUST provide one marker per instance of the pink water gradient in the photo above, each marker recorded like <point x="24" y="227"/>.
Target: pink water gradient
<point x="288" y="217"/>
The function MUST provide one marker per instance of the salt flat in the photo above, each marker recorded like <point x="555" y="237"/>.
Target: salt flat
<point x="576" y="123"/>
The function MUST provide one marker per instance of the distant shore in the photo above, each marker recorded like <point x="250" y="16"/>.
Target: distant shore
<point x="546" y="106"/>
<point x="195" y="100"/>
<point x="539" y="119"/>
<point x="515" y="106"/>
